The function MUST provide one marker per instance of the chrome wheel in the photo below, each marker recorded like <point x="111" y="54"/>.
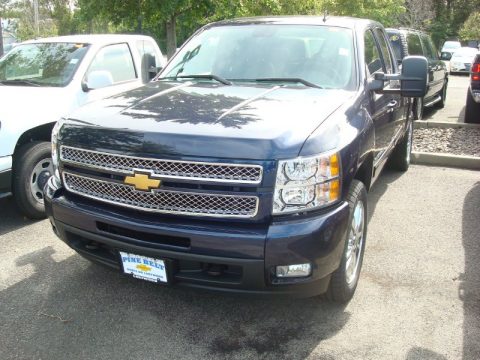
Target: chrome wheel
<point x="409" y="141"/>
<point x="419" y="109"/>
<point x="355" y="243"/>
<point x="39" y="177"/>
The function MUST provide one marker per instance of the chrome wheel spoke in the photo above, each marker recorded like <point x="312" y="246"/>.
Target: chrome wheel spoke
<point x="409" y="141"/>
<point x="355" y="243"/>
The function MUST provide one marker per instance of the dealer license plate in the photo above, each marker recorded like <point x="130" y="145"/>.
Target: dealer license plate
<point x="145" y="268"/>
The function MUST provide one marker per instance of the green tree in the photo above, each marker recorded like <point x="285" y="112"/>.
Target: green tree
<point x="385" y="11"/>
<point x="471" y="28"/>
<point x="450" y="16"/>
<point x="169" y="20"/>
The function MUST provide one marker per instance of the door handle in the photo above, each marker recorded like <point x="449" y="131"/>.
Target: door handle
<point x="392" y="105"/>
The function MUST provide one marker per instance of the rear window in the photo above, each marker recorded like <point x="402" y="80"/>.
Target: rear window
<point x="396" y="43"/>
<point x="414" y="45"/>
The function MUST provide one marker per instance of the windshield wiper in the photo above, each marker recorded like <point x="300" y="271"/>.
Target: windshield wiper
<point x="290" y="80"/>
<point x="200" y="76"/>
<point x="20" y="82"/>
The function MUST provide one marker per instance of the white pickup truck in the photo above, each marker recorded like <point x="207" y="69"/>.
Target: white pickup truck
<point x="43" y="80"/>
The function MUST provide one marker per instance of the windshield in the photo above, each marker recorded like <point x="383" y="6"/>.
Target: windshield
<point x="319" y="55"/>
<point x="465" y="52"/>
<point x="451" y="45"/>
<point x="42" y="64"/>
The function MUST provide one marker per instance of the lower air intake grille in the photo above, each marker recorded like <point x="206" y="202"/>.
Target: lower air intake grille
<point x="162" y="201"/>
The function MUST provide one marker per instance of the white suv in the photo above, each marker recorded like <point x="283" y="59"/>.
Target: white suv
<point x="43" y="80"/>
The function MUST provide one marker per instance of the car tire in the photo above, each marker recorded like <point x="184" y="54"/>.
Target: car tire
<point x="32" y="168"/>
<point x="401" y="155"/>
<point x="344" y="280"/>
<point x="472" y="110"/>
<point x="443" y="96"/>
<point x="418" y="109"/>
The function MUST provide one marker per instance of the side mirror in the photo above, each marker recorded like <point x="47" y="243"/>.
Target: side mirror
<point x="97" y="80"/>
<point x="413" y="79"/>
<point x="446" y="56"/>
<point x="153" y="71"/>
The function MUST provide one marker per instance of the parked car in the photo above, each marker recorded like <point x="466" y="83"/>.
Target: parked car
<point x="42" y="80"/>
<point x="462" y="59"/>
<point x="472" y="109"/>
<point x="407" y="42"/>
<point x="244" y="166"/>
<point x="451" y="46"/>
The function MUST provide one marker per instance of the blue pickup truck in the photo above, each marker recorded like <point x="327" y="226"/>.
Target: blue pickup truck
<point x="244" y="165"/>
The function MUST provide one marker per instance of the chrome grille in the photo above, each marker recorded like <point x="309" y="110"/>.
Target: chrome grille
<point x="173" y="169"/>
<point x="162" y="201"/>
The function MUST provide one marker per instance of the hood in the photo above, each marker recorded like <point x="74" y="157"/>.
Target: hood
<point x="29" y="104"/>
<point x="23" y="108"/>
<point x="206" y="120"/>
<point x="463" y="59"/>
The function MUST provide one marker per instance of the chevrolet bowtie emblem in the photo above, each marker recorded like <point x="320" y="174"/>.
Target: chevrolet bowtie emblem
<point x="143" y="267"/>
<point x="142" y="182"/>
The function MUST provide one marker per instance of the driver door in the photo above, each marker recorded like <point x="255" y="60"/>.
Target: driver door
<point x="383" y="108"/>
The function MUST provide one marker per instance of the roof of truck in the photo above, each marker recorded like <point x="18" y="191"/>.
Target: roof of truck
<point x="341" y="21"/>
<point x="97" y="39"/>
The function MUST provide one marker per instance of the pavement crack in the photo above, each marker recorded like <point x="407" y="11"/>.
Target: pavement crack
<point x="55" y="317"/>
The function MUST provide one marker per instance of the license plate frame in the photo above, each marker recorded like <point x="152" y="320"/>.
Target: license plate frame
<point x="145" y="267"/>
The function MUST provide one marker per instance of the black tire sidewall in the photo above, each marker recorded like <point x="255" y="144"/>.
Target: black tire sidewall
<point x="398" y="158"/>
<point x="443" y="95"/>
<point x="25" y="160"/>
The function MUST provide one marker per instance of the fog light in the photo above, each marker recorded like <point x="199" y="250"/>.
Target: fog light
<point x="297" y="270"/>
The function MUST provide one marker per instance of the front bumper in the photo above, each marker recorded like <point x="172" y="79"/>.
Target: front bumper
<point x="247" y="254"/>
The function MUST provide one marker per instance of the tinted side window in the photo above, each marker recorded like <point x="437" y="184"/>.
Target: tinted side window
<point x="414" y="45"/>
<point x="117" y="60"/>
<point x="427" y="50"/>
<point x="430" y="50"/>
<point x="396" y="42"/>
<point x="372" y="55"/>
<point x="387" y="58"/>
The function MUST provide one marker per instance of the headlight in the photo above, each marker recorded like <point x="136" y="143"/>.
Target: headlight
<point x="307" y="183"/>
<point x="55" y="155"/>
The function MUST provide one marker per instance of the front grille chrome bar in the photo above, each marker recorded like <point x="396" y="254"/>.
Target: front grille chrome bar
<point x="165" y="169"/>
<point x="162" y="201"/>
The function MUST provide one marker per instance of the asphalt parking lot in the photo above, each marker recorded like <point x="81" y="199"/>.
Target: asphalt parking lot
<point x="418" y="297"/>
<point x="454" y="110"/>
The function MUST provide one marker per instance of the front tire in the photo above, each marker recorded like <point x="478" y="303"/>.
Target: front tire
<point x="443" y="96"/>
<point x="418" y="109"/>
<point x="402" y="154"/>
<point x="472" y="110"/>
<point x="32" y="168"/>
<point x="344" y="280"/>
